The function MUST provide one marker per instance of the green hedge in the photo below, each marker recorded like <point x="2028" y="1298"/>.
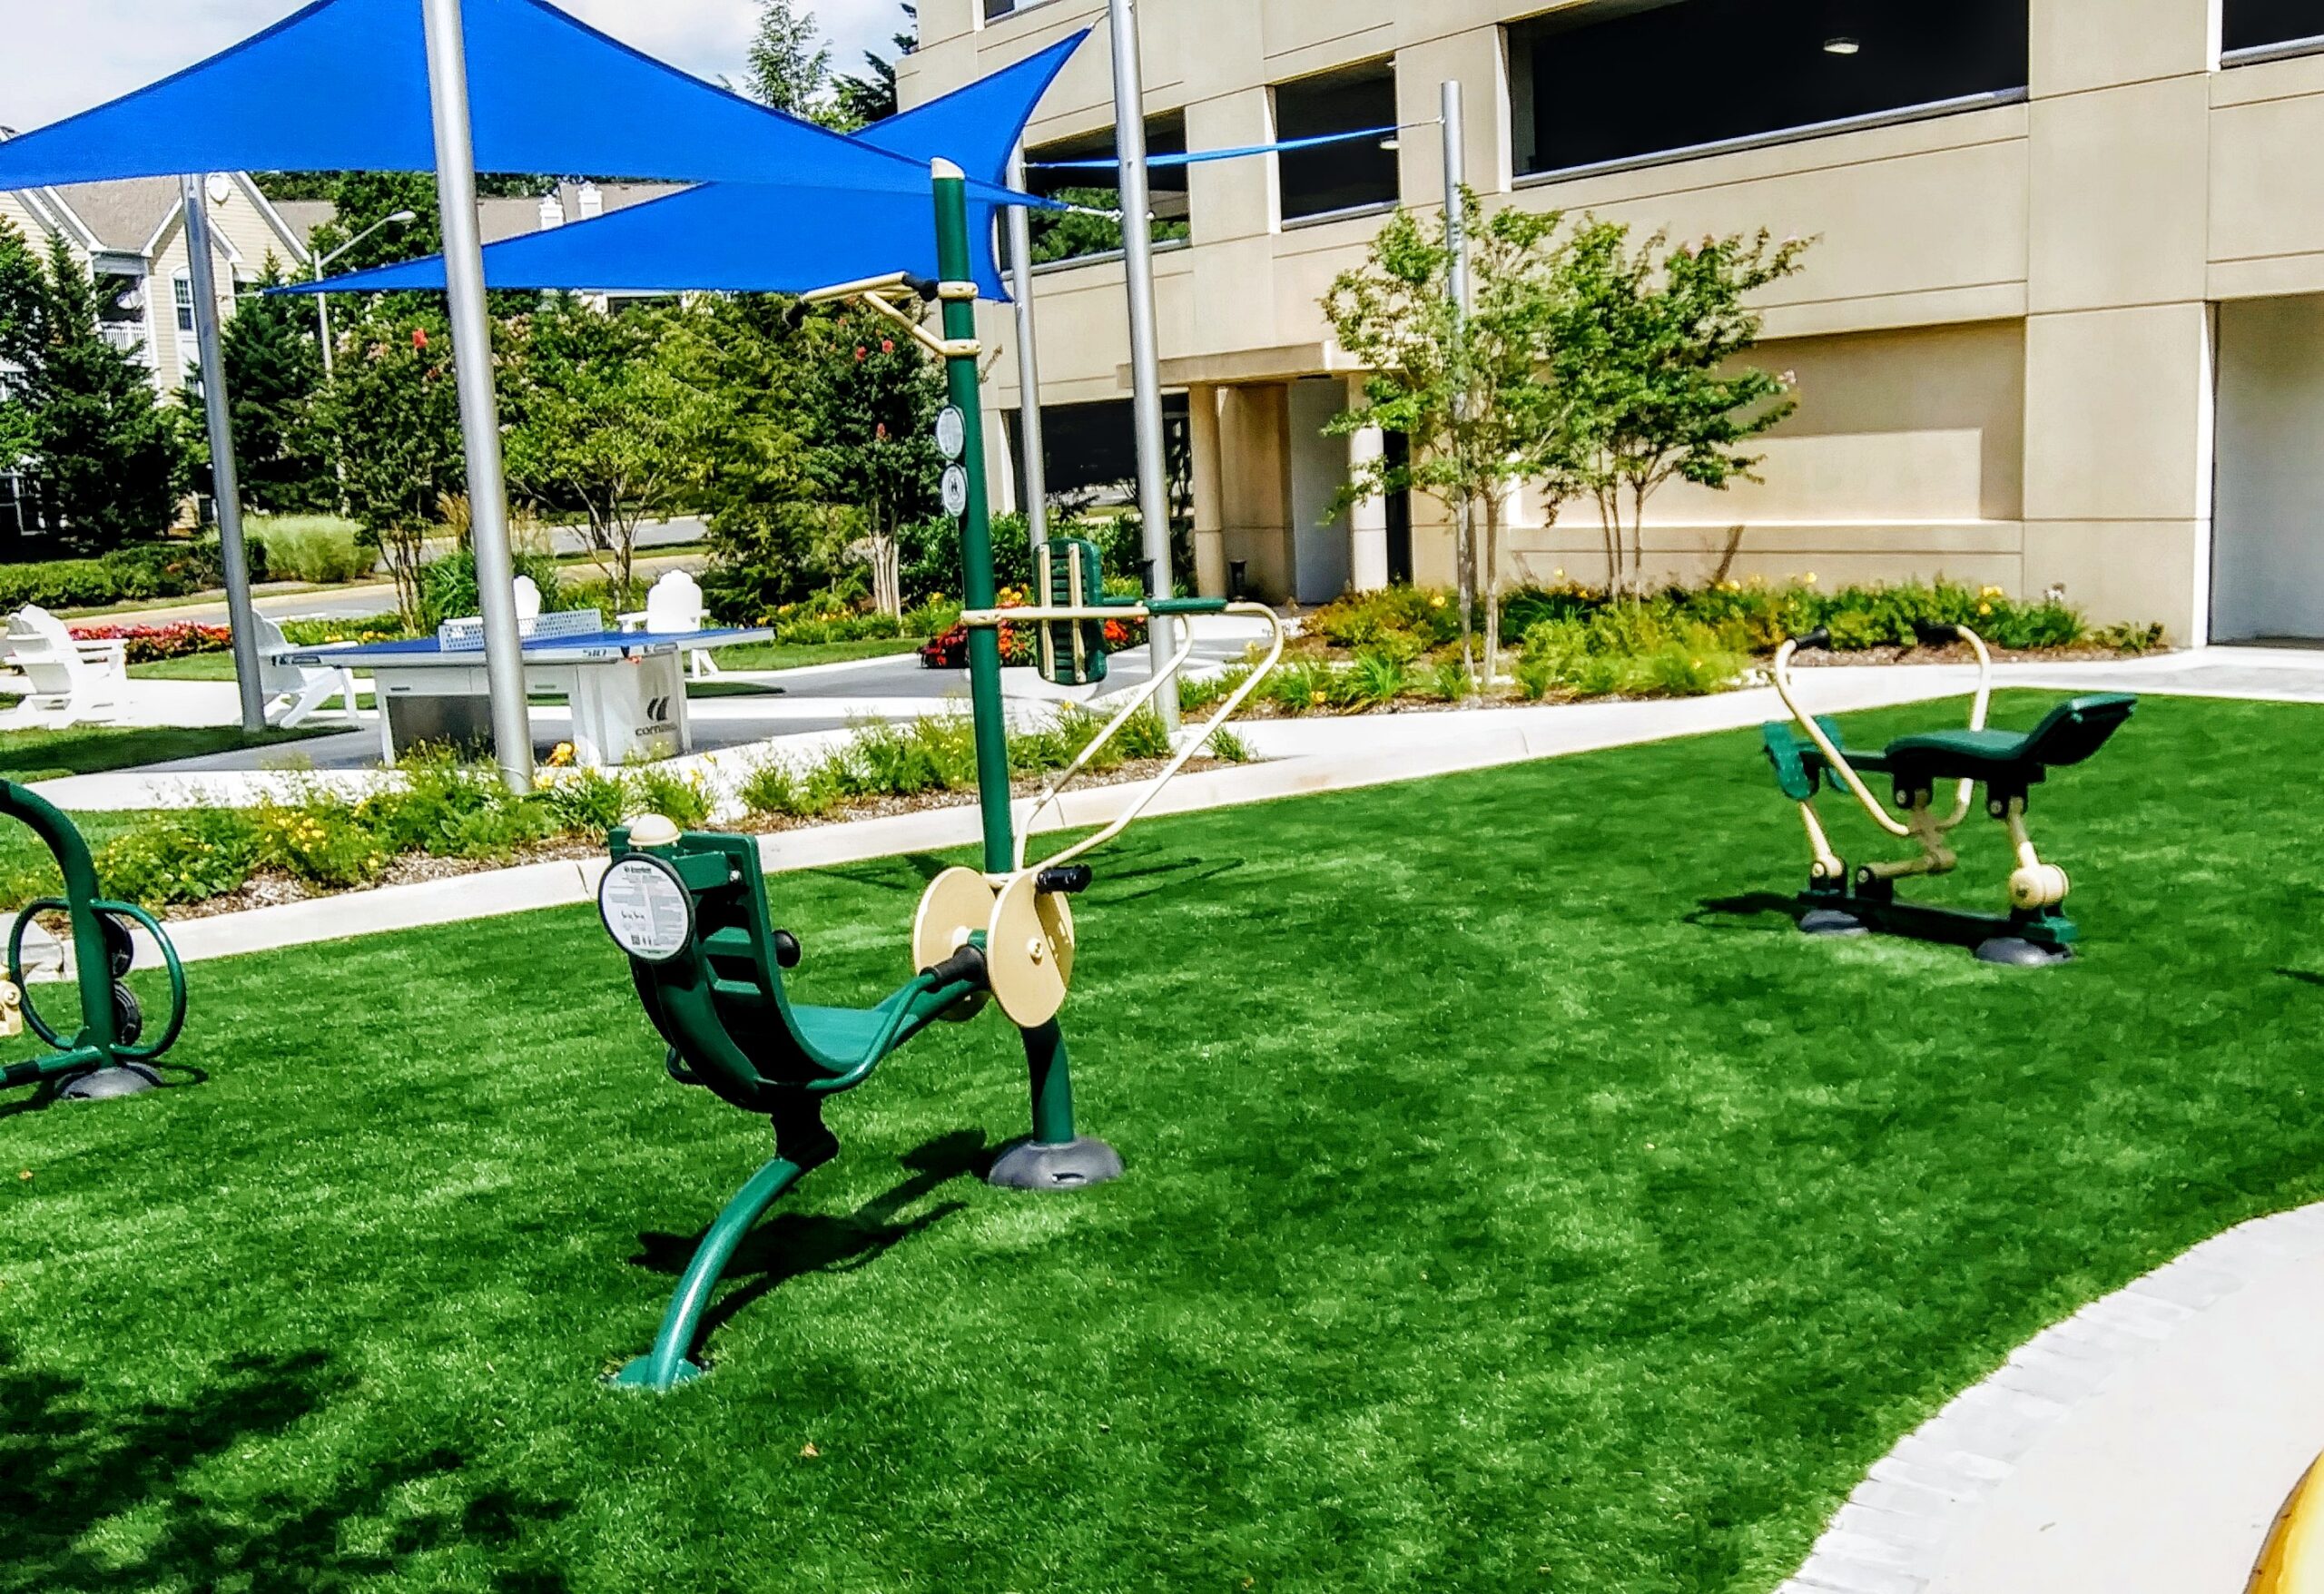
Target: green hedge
<point x="126" y="575"/>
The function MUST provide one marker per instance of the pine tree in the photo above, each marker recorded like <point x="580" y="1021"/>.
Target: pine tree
<point x="788" y="70"/>
<point x="22" y="291"/>
<point x="872" y="96"/>
<point x="108" y="460"/>
<point x="273" y="369"/>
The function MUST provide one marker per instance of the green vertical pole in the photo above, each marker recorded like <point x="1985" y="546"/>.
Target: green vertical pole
<point x="1053" y="1157"/>
<point x="977" y="586"/>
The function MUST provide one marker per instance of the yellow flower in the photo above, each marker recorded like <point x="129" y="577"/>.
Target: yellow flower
<point x="1808" y="579"/>
<point x="1436" y="602"/>
<point x="1984" y="609"/>
<point x="1318" y="699"/>
<point x="540" y="780"/>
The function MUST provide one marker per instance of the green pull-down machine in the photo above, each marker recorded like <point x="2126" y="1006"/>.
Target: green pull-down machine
<point x="691" y="909"/>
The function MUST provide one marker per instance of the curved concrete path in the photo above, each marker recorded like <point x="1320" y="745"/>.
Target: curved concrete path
<point x="2142" y="1446"/>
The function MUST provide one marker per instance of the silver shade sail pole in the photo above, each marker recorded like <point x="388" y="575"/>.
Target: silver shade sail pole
<point x="1145" y="364"/>
<point x="504" y="658"/>
<point x="1456" y="243"/>
<point x="226" y="487"/>
<point x="1018" y="228"/>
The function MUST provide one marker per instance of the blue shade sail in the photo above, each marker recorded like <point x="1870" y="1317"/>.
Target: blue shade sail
<point x="342" y="84"/>
<point x="739" y="238"/>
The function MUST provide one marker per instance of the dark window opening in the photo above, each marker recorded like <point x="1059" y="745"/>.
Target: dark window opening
<point x="1060" y="235"/>
<point x="2255" y="25"/>
<point x="1399" y="455"/>
<point x="994" y="10"/>
<point x="1630" y="80"/>
<point x="1338" y="176"/>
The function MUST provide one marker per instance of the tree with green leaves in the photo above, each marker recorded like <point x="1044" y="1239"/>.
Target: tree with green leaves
<point x="768" y="531"/>
<point x="108" y="460"/>
<point x="874" y="400"/>
<point x="787" y="67"/>
<point x="1646" y="345"/>
<point x="602" y="423"/>
<point x="1469" y="390"/>
<point x="391" y="412"/>
<point x="872" y="96"/>
<point x="22" y="290"/>
<point x="273" y="370"/>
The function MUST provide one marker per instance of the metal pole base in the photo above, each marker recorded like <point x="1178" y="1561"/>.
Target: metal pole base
<point x="1028" y="1165"/>
<point x="106" y="1084"/>
<point x="2017" y="952"/>
<point x="1832" y="921"/>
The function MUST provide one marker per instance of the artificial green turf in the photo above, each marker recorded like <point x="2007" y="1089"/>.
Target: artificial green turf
<point x="793" y="655"/>
<point x="1509" y="1205"/>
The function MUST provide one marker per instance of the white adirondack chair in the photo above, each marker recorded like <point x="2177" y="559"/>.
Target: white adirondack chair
<point x="528" y="605"/>
<point x="674" y="606"/>
<point x="70" y="680"/>
<point x="294" y="693"/>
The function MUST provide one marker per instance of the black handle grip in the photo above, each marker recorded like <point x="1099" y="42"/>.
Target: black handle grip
<point x="786" y="949"/>
<point x="1934" y="635"/>
<point x="966" y="966"/>
<point x="1072" y="880"/>
<point x="922" y="287"/>
<point x="1819" y="637"/>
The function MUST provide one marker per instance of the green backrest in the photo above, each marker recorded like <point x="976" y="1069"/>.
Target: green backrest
<point x="721" y="1003"/>
<point x="1069" y="572"/>
<point x="2077" y="728"/>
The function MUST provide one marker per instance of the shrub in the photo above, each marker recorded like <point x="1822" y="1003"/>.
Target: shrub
<point x="1423" y="617"/>
<point x="1378" y="676"/>
<point x="312" y="547"/>
<point x="130" y="575"/>
<point x="187" y="856"/>
<point x="346" y="628"/>
<point x="656" y="789"/>
<point x="587" y="802"/>
<point x="321" y="842"/>
<point x="146" y="644"/>
<point x="447" y="589"/>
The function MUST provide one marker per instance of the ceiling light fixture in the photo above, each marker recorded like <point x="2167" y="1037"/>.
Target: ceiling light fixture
<point x="1842" y="46"/>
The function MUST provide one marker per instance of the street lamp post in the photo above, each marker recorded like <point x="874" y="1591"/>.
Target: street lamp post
<point x="322" y="264"/>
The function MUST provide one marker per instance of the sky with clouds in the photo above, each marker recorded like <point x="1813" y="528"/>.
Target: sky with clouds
<point x="66" y="55"/>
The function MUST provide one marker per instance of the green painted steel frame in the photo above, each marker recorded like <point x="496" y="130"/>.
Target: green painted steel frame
<point x="685" y="996"/>
<point x="97" y="1044"/>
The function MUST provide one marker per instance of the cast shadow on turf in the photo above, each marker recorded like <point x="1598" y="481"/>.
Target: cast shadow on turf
<point x="1713" y="912"/>
<point x="791" y="1243"/>
<point x="48" y="1091"/>
<point x="72" y="1461"/>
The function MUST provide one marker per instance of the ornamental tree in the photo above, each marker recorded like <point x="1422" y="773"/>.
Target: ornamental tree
<point x="1645" y="350"/>
<point x="1469" y="389"/>
<point x="601" y="423"/>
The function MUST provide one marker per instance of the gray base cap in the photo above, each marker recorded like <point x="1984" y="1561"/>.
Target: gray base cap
<point x="1831" y="921"/>
<point x="2016" y="952"/>
<point x="104" y="1084"/>
<point x="1024" y="1165"/>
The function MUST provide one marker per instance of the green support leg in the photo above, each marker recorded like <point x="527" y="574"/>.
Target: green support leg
<point x="1053" y="1157"/>
<point x="667" y="1366"/>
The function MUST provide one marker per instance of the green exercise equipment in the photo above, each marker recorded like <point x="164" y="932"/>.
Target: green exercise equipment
<point x="690" y="906"/>
<point x="1806" y="754"/>
<point x="108" y="1056"/>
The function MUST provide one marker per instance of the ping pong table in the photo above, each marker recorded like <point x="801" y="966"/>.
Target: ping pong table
<point x="627" y="688"/>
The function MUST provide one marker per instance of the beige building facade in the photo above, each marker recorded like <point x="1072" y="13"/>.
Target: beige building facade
<point x="2061" y="327"/>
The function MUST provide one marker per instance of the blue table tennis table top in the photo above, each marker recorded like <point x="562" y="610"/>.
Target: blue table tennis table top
<point x="588" y="648"/>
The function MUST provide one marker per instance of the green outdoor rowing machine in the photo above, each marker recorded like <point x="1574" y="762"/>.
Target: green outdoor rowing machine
<point x="107" y="1056"/>
<point x="1807" y="755"/>
<point x="690" y="908"/>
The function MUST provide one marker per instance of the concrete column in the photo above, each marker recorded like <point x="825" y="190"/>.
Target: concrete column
<point x="1367" y="522"/>
<point x="2119" y="389"/>
<point x="1000" y="461"/>
<point x="1210" y="507"/>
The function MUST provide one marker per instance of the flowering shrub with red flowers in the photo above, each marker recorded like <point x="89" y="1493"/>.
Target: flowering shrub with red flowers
<point x="151" y="644"/>
<point x="950" y="651"/>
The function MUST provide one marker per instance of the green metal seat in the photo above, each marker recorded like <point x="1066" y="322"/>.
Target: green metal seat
<point x="720" y="1004"/>
<point x="2005" y="760"/>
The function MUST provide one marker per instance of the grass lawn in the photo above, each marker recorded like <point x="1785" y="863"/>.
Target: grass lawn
<point x="786" y="655"/>
<point x="84" y="749"/>
<point x="1511" y="1206"/>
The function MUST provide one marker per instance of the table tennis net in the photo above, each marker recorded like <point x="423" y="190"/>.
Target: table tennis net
<point x="466" y="635"/>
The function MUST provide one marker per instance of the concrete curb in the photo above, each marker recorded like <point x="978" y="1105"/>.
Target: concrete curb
<point x="2142" y="1446"/>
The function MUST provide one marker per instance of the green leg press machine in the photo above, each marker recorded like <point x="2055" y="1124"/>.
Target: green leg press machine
<point x="108" y="1056"/>
<point x="1806" y="754"/>
<point x="690" y="908"/>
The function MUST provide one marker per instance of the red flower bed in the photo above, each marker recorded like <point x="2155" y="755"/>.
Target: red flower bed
<point x="951" y="651"/>
<point x="151" y="644"/>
